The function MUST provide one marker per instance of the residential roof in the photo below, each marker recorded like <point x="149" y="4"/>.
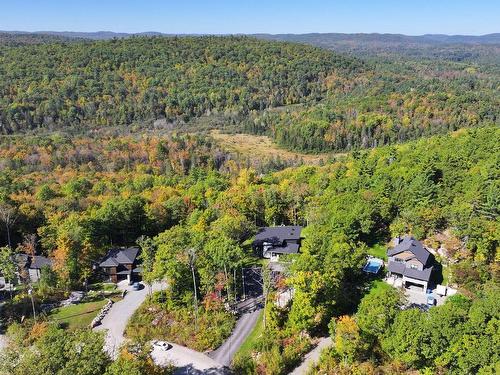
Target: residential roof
<point x="279" y="234"/>
<point x="411" y="244"/>
<point x="118" y="256"/>
<point x="124" y="272"/>
<point x="400" y="268"/>
<point x="289" y="248"/>
<point x="21" y="260"/>
<point x="39" y="261"/>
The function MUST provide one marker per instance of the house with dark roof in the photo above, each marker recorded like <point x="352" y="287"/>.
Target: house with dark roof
<point x="35" y="265"/>
<point x="122" y="264"/>
<point x="271" y="242"/>
<point x="410" y="261"/>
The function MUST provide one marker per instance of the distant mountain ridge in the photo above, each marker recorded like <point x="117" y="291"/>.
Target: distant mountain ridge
<point x="390" y="38"/>
<point x="426" y="38"/>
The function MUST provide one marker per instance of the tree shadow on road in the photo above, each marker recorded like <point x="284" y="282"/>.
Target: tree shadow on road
<point x="190" y="370"/>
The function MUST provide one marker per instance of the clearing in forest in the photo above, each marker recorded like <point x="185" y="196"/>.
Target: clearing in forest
<point x="261" y="147"/>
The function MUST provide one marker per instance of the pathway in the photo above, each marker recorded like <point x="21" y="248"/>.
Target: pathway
<point x="116" y="319"/>
<point x="225" y="353"/>
<point x="312" y="357"/>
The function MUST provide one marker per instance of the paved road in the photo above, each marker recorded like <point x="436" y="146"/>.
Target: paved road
<point x="187" y="361"/>
<point x="116" y="319"/>
<point x="250" y="310"/>
<point x="312" y="357"/>
<point x="225" y="353"/>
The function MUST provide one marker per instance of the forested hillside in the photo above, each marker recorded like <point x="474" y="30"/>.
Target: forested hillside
<point x="344" y="103"/>
<point x="119" y="82"/>
<point x="393" y="103"/>
<point x="182" y="195"/>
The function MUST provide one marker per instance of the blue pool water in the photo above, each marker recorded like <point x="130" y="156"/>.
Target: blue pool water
<point x="373" y="266"/>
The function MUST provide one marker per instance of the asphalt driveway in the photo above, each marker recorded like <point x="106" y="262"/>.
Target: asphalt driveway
<point x="225" y="353"/>
<point x="187" y="361"/>
<point x="119" y="314"/>
<point x="312" y="357"/>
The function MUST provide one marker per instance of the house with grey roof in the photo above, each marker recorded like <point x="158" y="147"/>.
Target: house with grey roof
<point x="271" y="242"/>
<point x="28" y="269"/>
<point x="410" y="261"/>
<point x="122" y="264"/>
<point x="35" y="266"/>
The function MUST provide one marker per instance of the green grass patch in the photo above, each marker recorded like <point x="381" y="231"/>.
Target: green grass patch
<point x="378" y="251"/>
<point x="77" y="316"/>
<point x="103" y="287"/>
<point x="378" y="286"/>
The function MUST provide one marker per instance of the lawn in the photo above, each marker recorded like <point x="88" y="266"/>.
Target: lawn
<point x="103" y="287"/>
<point x="378" y="251"/>
<point x="378" y="286"/>
<point x="79" y="315"/>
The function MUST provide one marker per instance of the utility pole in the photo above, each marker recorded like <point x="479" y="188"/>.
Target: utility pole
<point x="192" y="258"/>
<point x="30" y="293"/>
<point x="243" y="276"/>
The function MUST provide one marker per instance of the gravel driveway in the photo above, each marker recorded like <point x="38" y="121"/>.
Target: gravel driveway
<point x="119" y="314"/>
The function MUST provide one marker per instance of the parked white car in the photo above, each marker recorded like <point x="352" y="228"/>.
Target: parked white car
<point x="162" y="345"/>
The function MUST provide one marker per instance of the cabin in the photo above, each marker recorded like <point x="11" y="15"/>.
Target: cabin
<point x="410" y="261"/>
<point x="122" y="264"/>
<point x="272" y="242"/>
<point x="35" y="265"/>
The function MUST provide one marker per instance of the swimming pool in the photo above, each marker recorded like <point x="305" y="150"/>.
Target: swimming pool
<point x="373" y="265"/>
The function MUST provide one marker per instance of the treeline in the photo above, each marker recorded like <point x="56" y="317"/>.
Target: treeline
<point x="118" y="82"/>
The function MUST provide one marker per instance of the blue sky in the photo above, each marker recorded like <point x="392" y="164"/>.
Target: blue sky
<point x="272" y="16"/>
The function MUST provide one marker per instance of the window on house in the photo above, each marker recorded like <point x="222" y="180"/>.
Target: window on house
<point x="399" y="260"/>
<point x="414" y="266"/>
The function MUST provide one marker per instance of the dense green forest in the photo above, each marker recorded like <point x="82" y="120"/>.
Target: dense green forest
<point x="76" y="208"/>
<point x="346" y="103"/>
<point x="118" y="82"/>
<point x="84" y="167"/>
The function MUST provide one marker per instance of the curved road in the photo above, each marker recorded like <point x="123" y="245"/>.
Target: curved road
<point x="116" y="319"/>
<point x="187" y="361"/>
